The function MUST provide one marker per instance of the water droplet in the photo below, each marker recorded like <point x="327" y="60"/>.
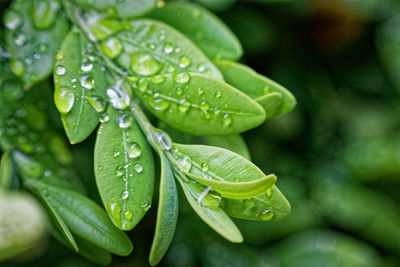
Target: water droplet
<point x="184" y="62"/>
<point x="205" y="167"/>
<point x="128" y="215"/>
<point x="64" y="99"/>
<point x="161" y="36"/>
<point x="60" y="70"/>
<point x="266" y="214"/>
<point x="116" y="153"/>
<point x="146" y="206"/>
<point x="207" y="115"/>
<point x="118" y="99"/>
<point x="184" y="105"/>
<point x="20" y="39"/>
<point x="125" y="194"/>
<point x="266" y="89"/>
<point x="204" y="105"/>
<point x="119" y="171"/>
<point x="47" y="173"/>
<point x="43" y="48"/>
<point x="112" y="47"/>
<point x="248" y="203"/>
<point x="168" y="48"/>
<point x="59" y="56"/>
<point x="178" y="50"/>
<point x="185" y="163"/>
<point x="158" y="79"/>
<point x="87" y="81"/>
<point x="236" y="179"/>
<point x="138" y="168"/>
<point x="200" y="91"/>
<point x="97" y="103"/>
<point x="201" y="67"/>
<point x="13" y="19"/>
<point x="158" y="103"/>
<point x="182" y="77"/>
<point x="179" y="91"/>
<point x="36" y="56"/>
<point x="218" y="94"/>
<point x="17" y="67"/>
<point x="124" y="121"/>
<point x="144" y="64"/>
<point x="163" y="140"/>
<point x="171" y="69"/>
<point x="104" y="117"/>
<point x="142" y="84"/>
<point x="87" y="65"/>
<point x="134" y="150"/>
<point x="203" y="194"/>
<point x="227" y="120"/>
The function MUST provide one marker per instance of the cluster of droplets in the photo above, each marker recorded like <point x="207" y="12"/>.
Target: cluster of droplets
<point x="148" y="87"/>
<point x="64" y="96"/>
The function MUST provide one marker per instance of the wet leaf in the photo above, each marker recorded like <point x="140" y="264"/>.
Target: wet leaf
<point x="33" y="49"/>
<point x="80" y="86"/>
<point x="167" y="214"/>
<point x="275" y="99"/>
<point x="198" y="104"/>
<point x="124" y="169"/>
<point x="149" y="47"/>
<point x="271" y="205"/>
<point x="228" y="173"/>
<point x="118" y="8"/>
<point x="6" y="170"/>
<point x="205" y="204"/>
<point x="205" y="29"/>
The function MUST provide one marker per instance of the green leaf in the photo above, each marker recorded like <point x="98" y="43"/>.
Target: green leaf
<point x="198" y="104"/>
<point x="55" y="217"/>
<point x="205" y="204"/>
<point x="80" y="87"/>
<point x="33" y="41"/>
<point x="118" y="8"/>
<point x="234" y="143"/>
<point x="265" y="91"/>
<point x="149" y="47"/>
<point x="228" y="173"/>
<point x="271" y="205"/>
<point x="124" y="169"/>
<point x="205" y="29"/>
<point x="85" y="218"/>
<point x="6" y="171"/>
<point x="167" y="214"/>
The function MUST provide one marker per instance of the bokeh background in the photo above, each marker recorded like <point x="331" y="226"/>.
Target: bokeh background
<point x="337" y="155"/>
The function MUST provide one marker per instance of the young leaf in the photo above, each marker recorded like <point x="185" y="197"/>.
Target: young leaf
<point x="265" y="91"/>
<point x="118" y="8"/>
<point x="85" y="218"/>
<point x="206" y="30"/>
<point x="33" y="41"/>
<point x="148" y="47"/>
<point x="228" y="173"/>
<point x="6" y="171"/>
<point x="167" y="214"/>
<point x="205" y="204"/>
<point x="198" y="104"/>
<point x="80" y="87"/>
<point x="124" y="169"/>
<point x="234" y="143"/>
<point x="271" y="205"/>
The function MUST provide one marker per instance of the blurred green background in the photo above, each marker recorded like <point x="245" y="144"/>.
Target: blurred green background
<point x="337" y="155"/>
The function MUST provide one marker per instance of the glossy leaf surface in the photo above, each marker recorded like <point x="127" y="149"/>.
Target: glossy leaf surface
<point x="265" y="91"/>
<point x="167" y="213"/>
<point x="149" y="47"/>
<point x="206" y="30"/>
<point x="33" y="42"/>
<point x="271" y="205"/>
<point x="117" y="8"/>
<point x="198" y="104"/>
<point x="6" y="170"/>
<point x="124" y="169"/>
<point x="205" y="204"/>
<point x="226" y="172"/>
<point x="234" y="143"/>
<point x="80" y="87"/>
